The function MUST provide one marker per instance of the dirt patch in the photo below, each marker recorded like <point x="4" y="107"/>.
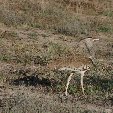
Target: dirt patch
<point x="31" y="99"/>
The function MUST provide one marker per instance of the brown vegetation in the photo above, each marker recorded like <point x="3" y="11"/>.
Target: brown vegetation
<point x="35" y="33"/>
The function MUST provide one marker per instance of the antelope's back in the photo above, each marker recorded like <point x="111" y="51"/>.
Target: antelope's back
<point x="69" y="62"/>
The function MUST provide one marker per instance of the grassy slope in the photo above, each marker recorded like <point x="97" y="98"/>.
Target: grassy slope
<point x="32" y="33"/>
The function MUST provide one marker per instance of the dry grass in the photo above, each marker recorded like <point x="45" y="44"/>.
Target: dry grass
<point x="24" y="53"/>
<point x="59" y="16"/>
<point x="32" y="33"/>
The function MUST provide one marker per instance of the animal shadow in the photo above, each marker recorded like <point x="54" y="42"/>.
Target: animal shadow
<point x="31" y="81"/>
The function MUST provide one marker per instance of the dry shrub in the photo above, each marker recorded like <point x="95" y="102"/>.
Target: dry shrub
<point x="56" y="15"/>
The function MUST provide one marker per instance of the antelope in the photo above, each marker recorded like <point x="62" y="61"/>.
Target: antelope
<point x="78" y="63"/>
<point x="75" y="63"/>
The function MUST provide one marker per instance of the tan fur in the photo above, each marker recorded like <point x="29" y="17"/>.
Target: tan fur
<point x="69" y="62"/>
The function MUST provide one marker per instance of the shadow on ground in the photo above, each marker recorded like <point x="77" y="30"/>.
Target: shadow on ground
<point x="31" y="81"/>
<point x="98" y="83"/>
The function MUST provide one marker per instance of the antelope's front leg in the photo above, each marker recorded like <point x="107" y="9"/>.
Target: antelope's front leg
<point x="82" y="83"/>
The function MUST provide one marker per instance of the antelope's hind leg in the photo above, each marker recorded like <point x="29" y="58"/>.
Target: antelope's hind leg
<point x="68" y="81"/>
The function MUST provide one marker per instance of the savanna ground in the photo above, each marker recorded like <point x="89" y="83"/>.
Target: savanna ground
<point x="33" y="32"/>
